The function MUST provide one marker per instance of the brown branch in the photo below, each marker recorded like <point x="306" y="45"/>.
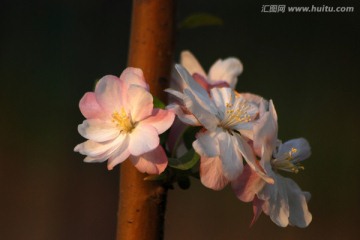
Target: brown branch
<point x="142" y="203"/>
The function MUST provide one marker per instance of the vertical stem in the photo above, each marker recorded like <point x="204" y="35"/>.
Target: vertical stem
<point x="142" y="203"/>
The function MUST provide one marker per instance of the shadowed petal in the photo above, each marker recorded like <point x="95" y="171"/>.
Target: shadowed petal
<point x="153" y="162"/>
<point x="109" y="92"/>
<point x="211" y="173"/>
<point x="206" y="144"/>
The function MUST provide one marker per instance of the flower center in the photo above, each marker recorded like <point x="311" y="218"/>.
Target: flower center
<point x="287" y="162"/>
<point x="123" y="121"/>
<point x="236" y="113"/>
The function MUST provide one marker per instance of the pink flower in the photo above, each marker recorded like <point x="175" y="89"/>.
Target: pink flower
<point x="121" y="123"/>
<point x="283" y="201"/>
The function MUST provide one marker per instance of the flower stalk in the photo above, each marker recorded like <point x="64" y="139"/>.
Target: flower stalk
<point x="142" y="203"/>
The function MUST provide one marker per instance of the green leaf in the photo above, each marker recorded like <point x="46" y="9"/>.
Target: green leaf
<point x="185" y="162"/>
<point x="160" y="177"/>
<point x="158" y="103"/>
<point x="200" y="20"/>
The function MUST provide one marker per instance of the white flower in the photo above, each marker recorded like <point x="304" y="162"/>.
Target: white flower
<point x="283" y="201"/>
<point x="225" y="116"/>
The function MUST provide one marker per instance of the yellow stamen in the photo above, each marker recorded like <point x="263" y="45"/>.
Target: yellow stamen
<point x="123" y="121"/>
<point x="286" y="163"/>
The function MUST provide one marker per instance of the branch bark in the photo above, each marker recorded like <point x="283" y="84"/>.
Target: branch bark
<point x="142" y="203"/>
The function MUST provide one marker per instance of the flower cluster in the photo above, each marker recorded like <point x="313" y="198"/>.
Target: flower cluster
<point x="235" y="142"/>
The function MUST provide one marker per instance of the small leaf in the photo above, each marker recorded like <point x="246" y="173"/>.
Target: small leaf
<point x="185" y="162"/>
<point x="158" y="103"/>
<point x="200" y="20"/>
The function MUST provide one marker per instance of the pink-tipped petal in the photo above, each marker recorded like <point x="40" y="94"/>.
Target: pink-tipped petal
<point x="211" y="173"/>
<point x="134" y="76"/>
<point x="188" y="60"/>
<point x="140" y="103"/>
<point x="153" y="162"/>
<point x="160" y="119"/>
<point x="257" y="209"/>
<point x="201" y="80"/>
<point x="143" y="138"/>
<point x="89" y="106"/>
<point x="109" y="92"/>
<point x="247" y="185"/>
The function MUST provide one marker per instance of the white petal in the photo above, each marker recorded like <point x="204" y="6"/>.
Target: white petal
<point x="206" y="144"/>
<point x="98" y="130"/>
<point x="143" y="138"/>
<point x="226" y="70"/>
<point x="300" y="144"/>
<point x="189" y="119"/>
<point x="201" y="111"/>
<point x="119" y="155"/>
<point x="188" y="60"/>
<point x="222" y="97"/>
<point x="230" y="156"/>
<point x="299" y="212"/>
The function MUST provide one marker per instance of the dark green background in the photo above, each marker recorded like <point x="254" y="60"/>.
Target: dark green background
<point x="51" y="52"/>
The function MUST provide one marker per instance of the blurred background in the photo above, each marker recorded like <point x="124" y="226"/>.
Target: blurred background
<point x="51" y="53"/>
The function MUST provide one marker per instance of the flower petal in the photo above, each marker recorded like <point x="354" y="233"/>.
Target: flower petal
<point x="98" y="130"/>
<point x="211" y="173"/>
<point x="109" y="91"/>
<point x="247" y="185"/>
<point x="120" y="155"/>
<point x="188" y="60"/>
<point x="89" y="106"/>
<point x="206" y="144"/>
<point x="186" y="118"/>
<point x="230" y="156"/>
<point x="200" y="111"/>
<point x="153" y="162"/>
<point x="227" y="70"/>
<point x="140" y="103"/>
<point x="134" y="76"/>
<point x="300" y="144"/>
<point x="299" y="212"/>
<point x="143" y="138"/>
<point x="160" y="119"/>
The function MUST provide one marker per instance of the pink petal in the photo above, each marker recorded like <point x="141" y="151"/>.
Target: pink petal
<point x="143" y="138"/>
<point x="109" y="93"/>
<point x="201" y="80"/>
<point x="89" y="106"/>
<point x="160" y="119"/>
<point x="153" y="162"/>
<point x="191" y="64"/>
<point x="211" y="173"/>
<point x="227" y="70"/>
<point x="257" y="209"/>
<point x="140" y="103"/>
<point x="134" y="76"/>
<point x="247" y="185"/>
